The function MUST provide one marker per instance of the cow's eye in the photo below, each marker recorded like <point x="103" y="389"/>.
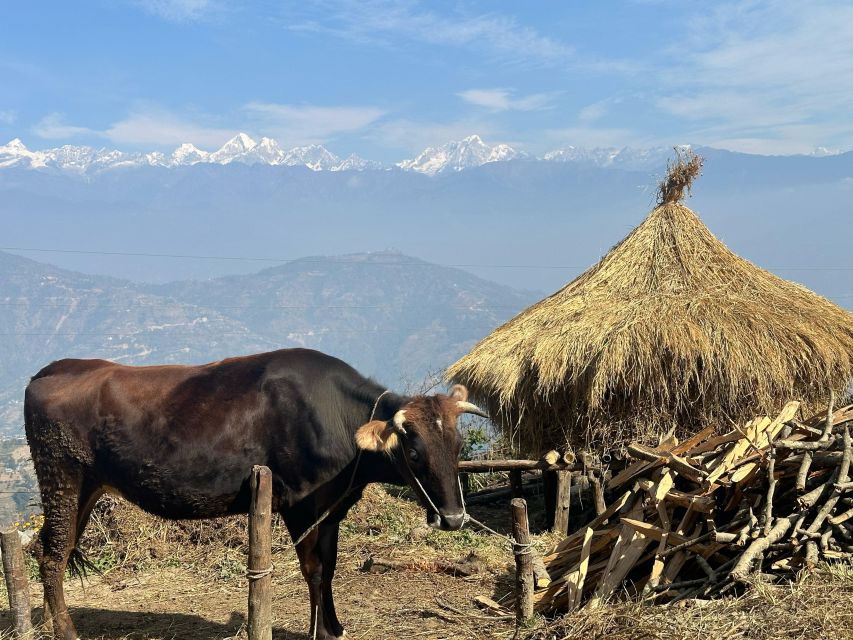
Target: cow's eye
<point x="413" y="455"/>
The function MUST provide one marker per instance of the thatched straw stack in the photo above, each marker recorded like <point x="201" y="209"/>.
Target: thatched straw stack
<point x="669" y="330"/>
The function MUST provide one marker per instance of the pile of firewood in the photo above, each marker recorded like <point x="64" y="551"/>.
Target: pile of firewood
<point x="694" y="519"/>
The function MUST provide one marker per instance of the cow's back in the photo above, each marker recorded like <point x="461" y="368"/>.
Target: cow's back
<point x="180" y="440"/>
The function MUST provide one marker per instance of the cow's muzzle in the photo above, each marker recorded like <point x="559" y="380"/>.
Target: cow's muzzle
<point x="446" y="521"/>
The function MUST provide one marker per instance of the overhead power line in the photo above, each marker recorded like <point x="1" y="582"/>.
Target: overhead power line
<point x="301" y="307"/>
<point x="374" y="262"/>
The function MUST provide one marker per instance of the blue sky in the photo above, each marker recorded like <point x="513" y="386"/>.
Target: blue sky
<point x="386" y="78"/>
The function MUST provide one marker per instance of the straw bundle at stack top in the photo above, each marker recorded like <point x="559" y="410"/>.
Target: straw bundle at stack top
<point x="695" y="518"/>
<point x="669" y="330"/>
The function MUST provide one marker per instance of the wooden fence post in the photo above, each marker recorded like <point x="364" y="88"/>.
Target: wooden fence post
<point x="260" y="555"/>
<point x="549" y="493"/>
<point x="523" y="562"/>
<point x="515" y="483"/>
<point x="17" y="585"/>
<point x="561" y="509"/>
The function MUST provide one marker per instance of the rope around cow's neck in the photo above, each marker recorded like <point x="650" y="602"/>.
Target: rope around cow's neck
<point x="344" y="495"/>
<point x="518" y="548"/>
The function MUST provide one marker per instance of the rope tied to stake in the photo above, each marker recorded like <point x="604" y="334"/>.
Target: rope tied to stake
<point x="518" y="548"/>
<point x="257" y="574"/>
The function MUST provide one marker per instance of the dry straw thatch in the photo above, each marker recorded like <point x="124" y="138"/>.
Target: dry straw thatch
<point x="669" y="330"/>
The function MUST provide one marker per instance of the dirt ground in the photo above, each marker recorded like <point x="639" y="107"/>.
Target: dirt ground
<point x="187" y="580"/>
<point x="175" y="603"/>
<point x="165" y="580"/>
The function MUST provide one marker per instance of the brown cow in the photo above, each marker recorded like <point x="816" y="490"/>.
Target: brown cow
<point x="180" y="442"/>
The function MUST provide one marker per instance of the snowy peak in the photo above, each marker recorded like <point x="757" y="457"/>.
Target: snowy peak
<point x="235" y="149"/>
<point x="459" y="155"/>
<point x="15" y="153"/>
<point x="267" y="151"/>
<point x="14" y="145"/>
<point x="622" y="158"/>
<point x="314" y="156"/>
<point x="356" y="163"/>
<point x="188" y="154"/>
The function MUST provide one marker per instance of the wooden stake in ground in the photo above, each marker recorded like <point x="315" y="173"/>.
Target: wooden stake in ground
<point x="17" y="585"/>
<point x="561" y="509"/>
<point x="523" y="562"/>
<point x="260" y="555"/>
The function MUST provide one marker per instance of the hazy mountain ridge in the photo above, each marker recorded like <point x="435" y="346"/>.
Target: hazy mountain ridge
<point x="391" y="316"/>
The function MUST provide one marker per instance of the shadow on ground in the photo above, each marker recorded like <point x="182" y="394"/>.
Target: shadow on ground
<point x="109" y="624"/>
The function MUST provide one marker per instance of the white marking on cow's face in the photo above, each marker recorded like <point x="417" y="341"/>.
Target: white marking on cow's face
<point x="439" y="423"/>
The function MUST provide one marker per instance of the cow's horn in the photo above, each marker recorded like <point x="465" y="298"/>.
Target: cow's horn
<point x="398" y="420"/>
<point x="469" y="407"/>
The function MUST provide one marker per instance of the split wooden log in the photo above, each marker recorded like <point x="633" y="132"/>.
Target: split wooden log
<point x="541" y="577"/>
<point x="577" y="579"/>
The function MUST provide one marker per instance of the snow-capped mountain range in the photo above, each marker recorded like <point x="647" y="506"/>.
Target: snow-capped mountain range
<point x="453" y="156"/>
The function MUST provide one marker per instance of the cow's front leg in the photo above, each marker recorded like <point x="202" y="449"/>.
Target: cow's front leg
<point x="311" y="564"/>
<point x="327" y="549"/>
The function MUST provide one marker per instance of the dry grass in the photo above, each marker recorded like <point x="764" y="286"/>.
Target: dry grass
<point x="669" y="329"/>
<point x="819" y="606"/>
<point x="680" y="175"/>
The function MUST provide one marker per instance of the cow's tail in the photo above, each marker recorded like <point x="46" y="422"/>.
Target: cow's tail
<point x="80" y="566"/>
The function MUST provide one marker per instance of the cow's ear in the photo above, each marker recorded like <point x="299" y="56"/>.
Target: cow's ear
<point x="376" y="435"/>
<point x="459" y="392"/>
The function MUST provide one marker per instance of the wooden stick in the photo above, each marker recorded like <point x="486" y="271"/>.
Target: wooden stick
<point x="756" y="550"/>
<point x="805" y="445"/>
<point x="827" y="425"/>
<point x="841" y="517"/>
<point x="597" y="493"/>
<point x="675" y="462"/>
<point x="260" y="555"/>
<point x="562" y="506"/>
<point x="803" y="472"/>
<point x="523" y="562"/>
<point x="768" y="505"/>
<point x="843" y="470"/>
<point x="811" y="554"/>
<point x="17" y="585"/>
<point x="489" y="466"/>
<point x="432" y="566"/>
<point x="820" y="459"/>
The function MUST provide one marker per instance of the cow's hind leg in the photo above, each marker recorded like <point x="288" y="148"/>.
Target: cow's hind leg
<point x="88" y="497"/>
<point x="61" y="497"/>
